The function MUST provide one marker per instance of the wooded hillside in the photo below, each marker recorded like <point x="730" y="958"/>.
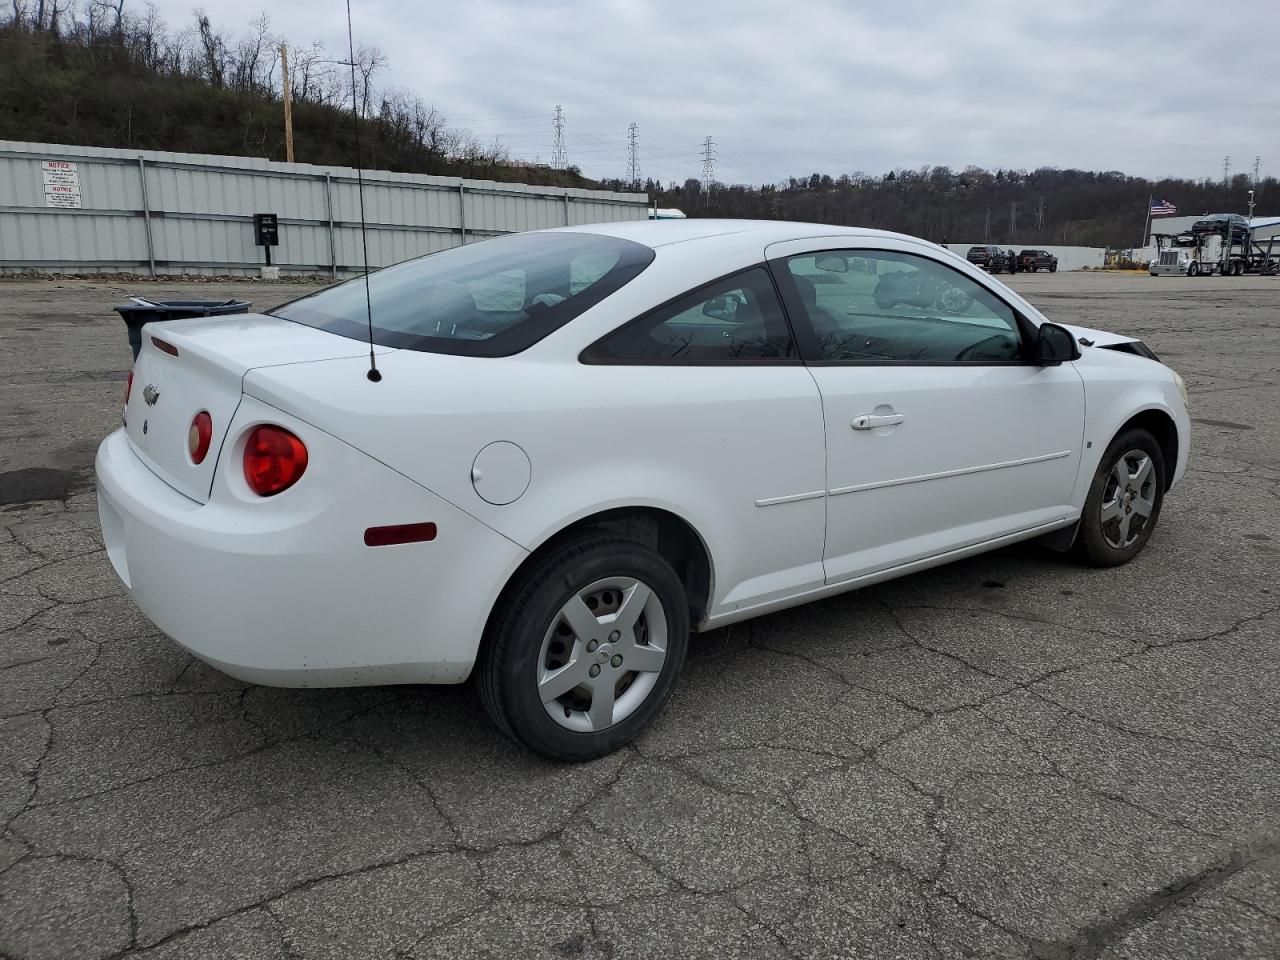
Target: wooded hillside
<point x="1008" y="207"/>
<point x="98" y="75"/>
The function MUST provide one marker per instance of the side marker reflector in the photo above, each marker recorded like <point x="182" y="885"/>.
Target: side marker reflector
<point x="165" y="345"/>
<point x="400" y="533"/>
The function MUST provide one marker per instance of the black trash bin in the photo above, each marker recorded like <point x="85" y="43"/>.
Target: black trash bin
<point x="143" y="311"/>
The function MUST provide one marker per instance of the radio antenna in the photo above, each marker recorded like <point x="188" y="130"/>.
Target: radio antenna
<point x="374" y="374"/>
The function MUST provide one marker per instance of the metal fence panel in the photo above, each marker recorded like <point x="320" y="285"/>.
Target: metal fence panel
<point x="175" y="213"/>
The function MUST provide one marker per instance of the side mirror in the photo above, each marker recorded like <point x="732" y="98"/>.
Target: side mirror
<point x="831" y="263"/>
<point x="1055" y="345"/>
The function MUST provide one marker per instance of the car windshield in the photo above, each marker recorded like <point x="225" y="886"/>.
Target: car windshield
<point x="490" y="299"/>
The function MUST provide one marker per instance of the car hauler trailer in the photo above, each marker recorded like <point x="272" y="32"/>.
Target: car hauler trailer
<point x="1221" y="243"/>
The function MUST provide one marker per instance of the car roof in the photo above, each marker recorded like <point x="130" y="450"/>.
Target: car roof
<point x="659" y="233"/>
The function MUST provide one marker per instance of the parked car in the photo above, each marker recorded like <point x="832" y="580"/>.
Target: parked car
<point x="583" y="445"/>
<point x="990" y="258"/>
<point x="1033" y="260"/>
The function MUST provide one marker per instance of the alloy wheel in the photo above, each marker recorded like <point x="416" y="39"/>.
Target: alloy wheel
<point x="1128" y="499"/>
<point x="602" y="654"/>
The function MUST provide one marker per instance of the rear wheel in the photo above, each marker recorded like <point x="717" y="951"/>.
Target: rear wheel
<point x="1124" y="500"/>
<point x="586" y="648"/>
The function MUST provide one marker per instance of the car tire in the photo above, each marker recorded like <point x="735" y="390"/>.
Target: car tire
<point x="531" y="650"/>
<point x="1053" y="268"/>
<point x="1193" y="270"/>
<point x="1127" y="487"/>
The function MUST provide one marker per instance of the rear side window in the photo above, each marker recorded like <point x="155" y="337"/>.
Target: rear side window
<point x="487" y="299"/>
<point x="737" y="319"/>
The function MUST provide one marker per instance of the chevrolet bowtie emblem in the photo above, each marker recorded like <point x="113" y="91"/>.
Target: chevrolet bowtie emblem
<point x="150" y="394"/>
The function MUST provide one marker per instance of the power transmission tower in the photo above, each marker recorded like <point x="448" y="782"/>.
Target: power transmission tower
<point x="559" y="157"/>
<point x="633" y="155"/>
<point x="986" y="227"/>
<point x="1013" y="222"/>
<point x="1257" y="165"/>
<point x="1226" y="171"/>
<point x="1040" y="214"/>
<point x="708" y="168"/>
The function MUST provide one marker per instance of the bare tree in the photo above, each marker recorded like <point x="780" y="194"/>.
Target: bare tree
<point x="214" y="50"/>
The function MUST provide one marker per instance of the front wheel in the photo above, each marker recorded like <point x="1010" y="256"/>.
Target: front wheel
<point x="585" y="648"/>
<point x="1053" y="268"/>
<point x="1193" y="270"/>
<point x="1124" y="500"/>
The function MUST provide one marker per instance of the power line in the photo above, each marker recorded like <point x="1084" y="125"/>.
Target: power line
<point x="523" y="116"/>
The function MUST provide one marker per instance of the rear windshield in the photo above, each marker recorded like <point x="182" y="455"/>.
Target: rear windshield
<point x="487" y="299"/>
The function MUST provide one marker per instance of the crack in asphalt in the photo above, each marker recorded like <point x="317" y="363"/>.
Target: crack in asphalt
<point x="1090" y="942"/>
<point x="928" y="855"/>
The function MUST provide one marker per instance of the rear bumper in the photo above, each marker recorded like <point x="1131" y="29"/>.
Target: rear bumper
<point x="283" y="591"/>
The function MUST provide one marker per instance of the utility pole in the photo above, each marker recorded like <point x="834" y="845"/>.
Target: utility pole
<point x="708" y="168"/>
<point x="1013" y="221"/>
<point x="1040" y="215"/>
<point x="559" y="157"/>
<point x="288" y="103"/>
<point x="986" y="227"/>
<point x="633" y="155"/>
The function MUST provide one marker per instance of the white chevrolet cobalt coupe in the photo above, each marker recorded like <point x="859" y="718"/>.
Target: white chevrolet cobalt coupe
<point x="585" y="443"/>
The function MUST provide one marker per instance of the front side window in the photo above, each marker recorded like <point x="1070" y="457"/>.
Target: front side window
<point x="490" y="299"/>
<point x="907" y="309"/>
<point x="734" y="319"/>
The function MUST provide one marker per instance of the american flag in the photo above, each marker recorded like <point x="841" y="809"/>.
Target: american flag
<point x="1162" y="208"/>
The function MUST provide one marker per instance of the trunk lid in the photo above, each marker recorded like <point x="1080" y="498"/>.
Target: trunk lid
<point x="199" y="364"/>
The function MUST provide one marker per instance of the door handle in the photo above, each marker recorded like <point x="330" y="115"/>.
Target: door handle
<point x="869" y="421"/>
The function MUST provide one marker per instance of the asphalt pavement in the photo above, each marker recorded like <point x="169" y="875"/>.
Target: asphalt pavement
<point x="1012" y="756"/>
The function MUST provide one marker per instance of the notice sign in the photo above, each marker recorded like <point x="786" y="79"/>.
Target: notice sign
<point x="61" y="183"/>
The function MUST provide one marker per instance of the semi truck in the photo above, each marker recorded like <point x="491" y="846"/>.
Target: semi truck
<point x="1226" y="244"/>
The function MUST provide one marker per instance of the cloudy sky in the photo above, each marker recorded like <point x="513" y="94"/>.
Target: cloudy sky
<point x="788" y="88"/>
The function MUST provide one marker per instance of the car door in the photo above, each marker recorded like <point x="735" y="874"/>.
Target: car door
<point x="941" y="432"/>
<point x="711" y="387"/>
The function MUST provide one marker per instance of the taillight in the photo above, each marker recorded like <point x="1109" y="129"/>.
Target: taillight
<point x="128" y="388"/>
<point x="200" y="436"/>
<point x="274" y="459"/>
